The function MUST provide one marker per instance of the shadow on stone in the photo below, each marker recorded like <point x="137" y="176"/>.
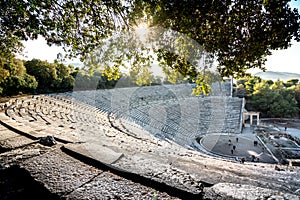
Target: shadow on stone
<point x="16" y="183"/>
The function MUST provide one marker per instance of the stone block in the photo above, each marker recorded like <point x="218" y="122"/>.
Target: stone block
<point x="58" y="172"/>
<point x="226" y="191"/>
<point x="110" y="186"/>
<point x="94" y="151"/>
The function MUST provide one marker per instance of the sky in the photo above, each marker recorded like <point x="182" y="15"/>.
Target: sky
<point x="286" y="60"/>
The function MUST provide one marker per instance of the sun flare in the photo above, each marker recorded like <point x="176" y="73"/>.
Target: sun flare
<point x="142" y="30"/>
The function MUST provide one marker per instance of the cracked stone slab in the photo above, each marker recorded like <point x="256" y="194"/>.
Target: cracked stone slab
<point x="58" y="172"/>
<point x="159" y="170"/>
<point x="222" y="191"/>
<point x="110" y="186"/>
<point x="95" y="151"/>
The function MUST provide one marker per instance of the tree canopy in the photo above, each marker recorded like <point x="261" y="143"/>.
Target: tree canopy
<point x="80" y="25"/>
<point x="239" y="34"/>
<point x="14" y="79"/>
<point x="37" y="76"/>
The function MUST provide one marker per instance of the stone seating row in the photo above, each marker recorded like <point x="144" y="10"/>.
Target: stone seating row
<point x="224" y="112"/>
<point x="221" y="89"/>
<point x="54" y="114"/>
<point x="5" y="105"/>
<point x="142" y="94"/>
<point x="181" y="124"/>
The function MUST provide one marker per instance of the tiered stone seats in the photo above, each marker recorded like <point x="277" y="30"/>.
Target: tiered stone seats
<point x="166" y="111"/>
<point x="6" y="104"/>
<point x="221" y="88"/>
<point x="54" y="114"/>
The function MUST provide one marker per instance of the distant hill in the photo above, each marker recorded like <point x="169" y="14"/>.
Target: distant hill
<point x="284" y="76"/>
<point x="75" y="64"/>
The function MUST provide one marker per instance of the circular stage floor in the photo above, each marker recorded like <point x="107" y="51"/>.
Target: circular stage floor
<point x="223" y="145"/>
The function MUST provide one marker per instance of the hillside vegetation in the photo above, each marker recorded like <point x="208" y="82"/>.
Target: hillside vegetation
<point x="36" y="76"/>
<point x="273" y="99"/>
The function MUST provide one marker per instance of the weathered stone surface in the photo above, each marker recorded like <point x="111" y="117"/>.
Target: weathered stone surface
<point x="189" y="172"/>
<point x="2" y="128"/>
<point x="110" y="186"/>
<point x="226" y="191"/>
<point x="5" y="133"/>
<point x="258" y="175"/>
<point x="162" y="171"/>
<point x="59" y="172"/>
<point x="15" y="142"/>
<point x="32" y="132"/>
<point x="17" y="156"/>
<point x="95" y="151"/>
<point x="17" y="184"/>
<point x="153" y="158"/>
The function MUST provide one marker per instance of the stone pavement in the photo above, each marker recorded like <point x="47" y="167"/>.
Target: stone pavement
<point x="57" y="175"/>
